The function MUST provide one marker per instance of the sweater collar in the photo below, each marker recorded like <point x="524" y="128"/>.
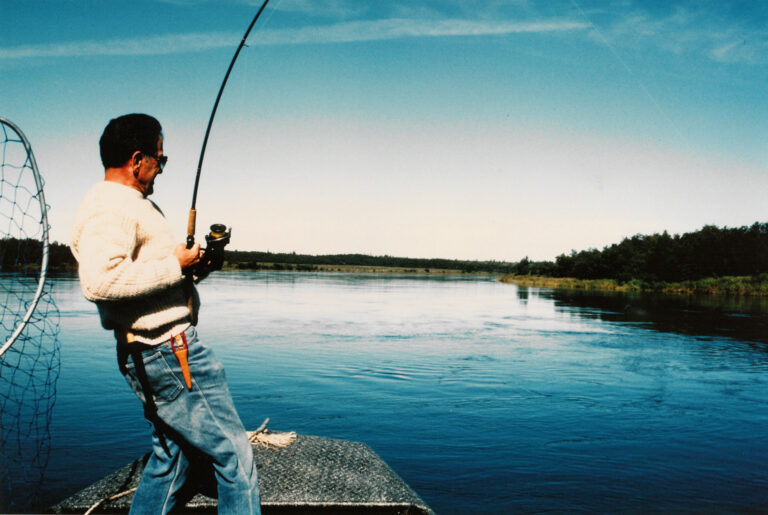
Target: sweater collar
<point x="121" y="189"/>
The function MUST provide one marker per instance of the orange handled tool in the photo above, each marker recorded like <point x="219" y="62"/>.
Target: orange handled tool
<point x="181" y="350"/>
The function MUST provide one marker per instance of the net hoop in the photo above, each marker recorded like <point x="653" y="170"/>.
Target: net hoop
<point x="30" y="161"/>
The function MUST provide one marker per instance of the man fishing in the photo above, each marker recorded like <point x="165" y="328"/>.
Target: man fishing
<point x="132" y="269"/>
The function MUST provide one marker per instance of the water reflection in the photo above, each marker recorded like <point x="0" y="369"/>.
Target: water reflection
<point x="740" y="318"/>
<point x="485" y="397"/>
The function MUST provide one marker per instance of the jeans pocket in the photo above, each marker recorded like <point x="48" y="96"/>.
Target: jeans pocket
<point x="165" y="385"/>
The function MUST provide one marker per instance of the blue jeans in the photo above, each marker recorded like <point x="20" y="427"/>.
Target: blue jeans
<point x="191" y="426"/>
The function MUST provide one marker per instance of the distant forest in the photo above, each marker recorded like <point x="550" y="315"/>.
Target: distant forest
<point x="268" y="260"/>
<point x="708" y="252"/>
<point x="16" y="254"/>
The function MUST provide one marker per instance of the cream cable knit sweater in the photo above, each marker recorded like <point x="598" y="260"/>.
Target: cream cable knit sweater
<point x="124" y="248"/>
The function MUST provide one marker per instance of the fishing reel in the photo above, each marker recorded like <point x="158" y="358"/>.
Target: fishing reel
<point x="213" y="255"/>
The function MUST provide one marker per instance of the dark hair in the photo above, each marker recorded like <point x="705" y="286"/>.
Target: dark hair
<point x="125" y="135"/>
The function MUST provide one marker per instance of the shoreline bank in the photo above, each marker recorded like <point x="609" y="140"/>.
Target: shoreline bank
<point x="756" y="286"/>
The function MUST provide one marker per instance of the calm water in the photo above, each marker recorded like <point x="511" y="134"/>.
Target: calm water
<point x="484" y="397"/>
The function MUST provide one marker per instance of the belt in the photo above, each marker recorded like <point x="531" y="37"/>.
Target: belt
<point x="127" y="344"/>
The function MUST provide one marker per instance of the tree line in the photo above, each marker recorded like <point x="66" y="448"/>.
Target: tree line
<point x="255" y="260"/>
<point x="708" y="252"/>
<point x="16" y="254"/>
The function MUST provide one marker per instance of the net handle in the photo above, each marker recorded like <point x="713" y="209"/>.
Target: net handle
<point x="44" y="222"/>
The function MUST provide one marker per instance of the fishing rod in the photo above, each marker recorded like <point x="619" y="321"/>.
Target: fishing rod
<point x="219" y="235"/>
<point x="193" y="211"/>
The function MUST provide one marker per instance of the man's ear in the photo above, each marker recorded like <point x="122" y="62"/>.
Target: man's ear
<point x="136" y="162"/>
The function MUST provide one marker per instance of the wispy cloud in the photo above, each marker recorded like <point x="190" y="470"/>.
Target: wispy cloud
<point x="406" y="28"/>
<point x="689" y="31"/>
<point x="339" y="9"/>
<point x="157" y="45"/>
<point x="353" y="31"/>
<point x="742" y="48"/>
<point x="329" y="8"/>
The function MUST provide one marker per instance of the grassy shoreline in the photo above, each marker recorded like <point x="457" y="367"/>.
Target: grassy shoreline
<point x="725" y="286"/>
<point x="350" y="269"/>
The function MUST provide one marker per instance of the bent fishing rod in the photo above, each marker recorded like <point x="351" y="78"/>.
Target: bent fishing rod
<point x="191" y="222"/>
<point x="213" y="256"/>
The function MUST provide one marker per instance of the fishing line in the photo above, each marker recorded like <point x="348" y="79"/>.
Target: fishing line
<point x="632" y="74"/>
<point x="275" y="8"/>
<point x="244" y="80"/>
<point x="219" y="236"/>
<point x="249" y="55"/>
<point x="192" y="211"/>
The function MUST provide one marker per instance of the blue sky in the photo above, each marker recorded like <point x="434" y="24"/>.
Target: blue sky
<point x="458" y="129"/>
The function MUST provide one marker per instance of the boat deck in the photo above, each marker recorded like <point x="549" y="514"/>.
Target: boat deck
<point x="312" y="475"/>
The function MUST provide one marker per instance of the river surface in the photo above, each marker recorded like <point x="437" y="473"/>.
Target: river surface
<point x="484" y="397"/>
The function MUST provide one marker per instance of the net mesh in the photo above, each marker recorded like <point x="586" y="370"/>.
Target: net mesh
<point x="29" y="326"/>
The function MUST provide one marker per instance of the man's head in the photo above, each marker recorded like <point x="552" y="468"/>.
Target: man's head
<point x="131" y="149"/>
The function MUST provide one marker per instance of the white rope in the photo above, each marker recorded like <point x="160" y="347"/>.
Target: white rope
<point x="107" y="499"/>
<point x="261" y="436"/>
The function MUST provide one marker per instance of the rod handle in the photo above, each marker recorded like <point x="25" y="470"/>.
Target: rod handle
<point x="191" y="222"/>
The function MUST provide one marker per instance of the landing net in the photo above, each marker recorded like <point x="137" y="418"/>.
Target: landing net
<point x="29" y="325"/>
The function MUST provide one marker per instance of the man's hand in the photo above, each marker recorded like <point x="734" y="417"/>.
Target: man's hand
<point x="187" y="257"/>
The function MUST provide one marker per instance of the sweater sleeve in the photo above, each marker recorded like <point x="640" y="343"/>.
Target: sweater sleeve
<point x="108" y="270"/>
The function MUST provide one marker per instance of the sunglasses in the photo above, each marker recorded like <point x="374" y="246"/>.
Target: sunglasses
<point x="161" y="160"/>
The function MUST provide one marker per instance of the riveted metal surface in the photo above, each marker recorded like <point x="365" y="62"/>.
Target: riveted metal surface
<point x="312" y="475"/>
